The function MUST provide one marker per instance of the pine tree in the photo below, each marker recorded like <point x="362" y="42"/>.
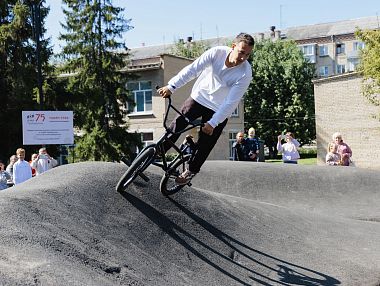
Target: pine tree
<point x="18" y="71"/>
<point x="94" y="58"/>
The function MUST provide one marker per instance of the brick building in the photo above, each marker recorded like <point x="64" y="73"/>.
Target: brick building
<point x="340" y="107"/>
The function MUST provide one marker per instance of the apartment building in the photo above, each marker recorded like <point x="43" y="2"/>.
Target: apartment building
<point x="332" y="47"/>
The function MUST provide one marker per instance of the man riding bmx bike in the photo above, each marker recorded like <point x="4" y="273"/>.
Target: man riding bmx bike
<point x="223" y="76"/>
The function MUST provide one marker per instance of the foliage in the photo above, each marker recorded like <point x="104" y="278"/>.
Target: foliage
<point x="18" y="71"/>
<point x="96" y="87"/>
<point x="189" y="50"/>
<point x="370" y="64"/>
<point x="280" y="97"/>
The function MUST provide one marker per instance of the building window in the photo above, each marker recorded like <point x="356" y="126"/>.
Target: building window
<point x="340" y="48"/>
<point x="323" y="71"/>
<point x="323" y="50"/>
<point x="352" y="64"/>
<point x="231" y="140"/>
<point x="358" y="46"/>
<point x="142" y="95"/>
<point x="340" y="69"/>
<point x="147" y="138"/>
<point x="236" y="112"/>
<point x="309" y="52"/>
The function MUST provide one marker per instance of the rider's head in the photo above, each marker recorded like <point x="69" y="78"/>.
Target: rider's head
<point x="241" y="49"/>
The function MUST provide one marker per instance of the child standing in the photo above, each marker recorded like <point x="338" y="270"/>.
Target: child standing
<point x="333" y="158"/>
<point x="21" y="169"/>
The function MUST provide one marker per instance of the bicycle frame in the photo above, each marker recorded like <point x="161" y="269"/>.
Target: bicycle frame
<point x="159" y="145"/>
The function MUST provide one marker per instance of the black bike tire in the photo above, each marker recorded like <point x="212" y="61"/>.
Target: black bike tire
<point x="138" y="165"/>
<point x="165" y="178"/>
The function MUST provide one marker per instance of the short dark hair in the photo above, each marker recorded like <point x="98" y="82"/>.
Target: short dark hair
<point x="246" y="38"/>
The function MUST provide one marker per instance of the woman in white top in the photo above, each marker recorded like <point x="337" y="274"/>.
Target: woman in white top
<point x="289" y="149"/>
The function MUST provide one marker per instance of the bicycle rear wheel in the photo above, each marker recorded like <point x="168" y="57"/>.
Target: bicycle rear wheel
<point x="168" y="186"/>
<point x="141" y="162"/>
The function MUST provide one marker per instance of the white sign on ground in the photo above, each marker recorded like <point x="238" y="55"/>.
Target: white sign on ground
<point x="47" y="127"/>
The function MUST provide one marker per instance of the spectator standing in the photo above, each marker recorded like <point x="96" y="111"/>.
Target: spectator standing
<point x="344" y="150"/>
<point x="21" y="169"/>
<point x="12" y="161"/>
<point x="333" y="157"/>
<point x="289" y="149"/>
<point x="43" y="162"/>
<point x="252" y="145"/>
<point x="239" y="148"/>
<point x="34" y="156"/>
<point x="188" y="145"/>
<point x="4" y="177"/>
<point x="9" y="169"/>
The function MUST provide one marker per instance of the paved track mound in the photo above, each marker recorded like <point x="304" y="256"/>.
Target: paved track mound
<point x="258" y="224"/>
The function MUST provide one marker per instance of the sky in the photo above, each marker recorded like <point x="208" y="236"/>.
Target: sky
<point x="158" y="22"/>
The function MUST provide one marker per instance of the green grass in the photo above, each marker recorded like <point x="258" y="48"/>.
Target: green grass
<point x="306" y="161"/>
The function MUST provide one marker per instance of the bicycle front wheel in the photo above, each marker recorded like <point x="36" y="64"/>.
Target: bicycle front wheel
<point x="141" y="162"/>
<point x="168" y="186"/>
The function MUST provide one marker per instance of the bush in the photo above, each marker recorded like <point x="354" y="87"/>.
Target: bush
<point x="308" y="152"/>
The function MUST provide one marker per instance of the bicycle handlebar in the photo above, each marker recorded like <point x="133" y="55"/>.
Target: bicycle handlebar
<point x="170" y="105"/>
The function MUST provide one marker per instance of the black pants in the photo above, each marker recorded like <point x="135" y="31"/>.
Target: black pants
<point x="193" y="110"/>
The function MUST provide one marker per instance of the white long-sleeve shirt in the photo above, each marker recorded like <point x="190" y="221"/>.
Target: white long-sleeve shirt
<point x="289" y="150"/>
<point x="218" y="87"/>
<point x="21" y="172"/>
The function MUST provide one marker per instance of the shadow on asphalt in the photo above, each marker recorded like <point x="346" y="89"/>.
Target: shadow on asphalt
<point x="288" y="273"/>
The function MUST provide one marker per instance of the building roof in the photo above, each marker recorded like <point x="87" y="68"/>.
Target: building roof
<point x="333" y="28"/>
<point x="295" y="33"/>
<point x="153" y="51"/>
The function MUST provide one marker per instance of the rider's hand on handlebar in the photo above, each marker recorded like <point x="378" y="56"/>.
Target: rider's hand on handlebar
<point x="207" y="129"/>
<point x="164" y="92"/>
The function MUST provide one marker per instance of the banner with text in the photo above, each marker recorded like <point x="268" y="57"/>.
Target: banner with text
<point x="47" y="127"/>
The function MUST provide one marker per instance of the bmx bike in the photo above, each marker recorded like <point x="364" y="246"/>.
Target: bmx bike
<point x="154" y="154"/>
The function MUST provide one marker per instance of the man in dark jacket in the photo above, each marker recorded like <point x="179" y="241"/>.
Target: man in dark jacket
<point x="239" y="148"/>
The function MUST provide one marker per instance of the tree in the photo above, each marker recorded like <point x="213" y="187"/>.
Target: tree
<point x="190" y="50"/>
<point x="280" y="97"/>
<point x="93" y="57"/>
<point x="369" y="65"/>
<point x="18" y="71"/>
